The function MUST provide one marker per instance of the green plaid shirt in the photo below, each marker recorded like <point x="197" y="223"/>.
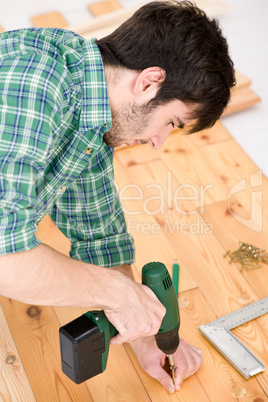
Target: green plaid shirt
<point x="54" y="110"/>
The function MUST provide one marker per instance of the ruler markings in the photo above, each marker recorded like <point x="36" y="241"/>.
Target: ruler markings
<point x="218" y="333"/>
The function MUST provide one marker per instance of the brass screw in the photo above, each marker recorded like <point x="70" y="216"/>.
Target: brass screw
<point x="249" y="256"/>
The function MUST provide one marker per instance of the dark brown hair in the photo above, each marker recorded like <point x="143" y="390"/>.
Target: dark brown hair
<point x="178" y="37"/>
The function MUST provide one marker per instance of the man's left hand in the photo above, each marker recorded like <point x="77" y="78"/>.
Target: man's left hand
<point x="187" y="360"/>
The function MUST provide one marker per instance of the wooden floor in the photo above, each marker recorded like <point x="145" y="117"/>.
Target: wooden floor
<point x="193" y="200"/>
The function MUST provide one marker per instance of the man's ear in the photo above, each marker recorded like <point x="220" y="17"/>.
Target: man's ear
<point x="148" y="81"/>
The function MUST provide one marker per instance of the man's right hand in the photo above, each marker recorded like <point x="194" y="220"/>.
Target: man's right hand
<point x="43" y="276"/>
<point x="140" y="314"/>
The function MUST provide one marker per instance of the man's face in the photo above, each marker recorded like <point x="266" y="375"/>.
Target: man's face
<point x="140" y="124"/>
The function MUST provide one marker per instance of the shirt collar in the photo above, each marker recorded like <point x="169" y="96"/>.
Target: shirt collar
<point x="95" y="111"/>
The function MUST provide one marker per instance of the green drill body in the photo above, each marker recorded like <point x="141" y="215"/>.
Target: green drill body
<point x="85" y="341"/>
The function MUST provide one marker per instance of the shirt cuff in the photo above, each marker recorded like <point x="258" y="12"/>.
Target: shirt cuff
<point x="108" y="252"/>
<point x="17" y="234"/>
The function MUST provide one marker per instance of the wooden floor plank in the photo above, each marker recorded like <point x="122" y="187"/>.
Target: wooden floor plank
<point x="49" y="20"/>
<point x="194" y="171"/>
<point x="242" y="95"/>
<point x="142" y="224"/>
<point x="230" y="161"/>
<point x="240" y="176"/>
<point x="187" y="163"/>
<point x="230" y="233"/>
<point x="201" y="253"/>
<point x="242" y="80"/>
<point x="14" y="384"/>
<point x="241" y="99"/>
<point x="35" y="332"/>
<point x="104" y="7"/>
<point x="217" y="133"/>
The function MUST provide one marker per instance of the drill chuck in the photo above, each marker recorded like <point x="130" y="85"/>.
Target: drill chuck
<point x="168" y="342"/>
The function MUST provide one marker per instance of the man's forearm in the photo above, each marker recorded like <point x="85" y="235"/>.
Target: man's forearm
<point x="46" y="277"/>
<point x="125" y="269"/>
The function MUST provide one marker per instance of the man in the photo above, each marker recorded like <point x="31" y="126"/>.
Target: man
<point x="65" y="103"/>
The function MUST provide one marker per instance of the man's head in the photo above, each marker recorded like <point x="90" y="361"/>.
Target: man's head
<point x="179" y="39"/>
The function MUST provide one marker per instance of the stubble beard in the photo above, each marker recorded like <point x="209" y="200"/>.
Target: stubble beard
<point x="128" y="123"/>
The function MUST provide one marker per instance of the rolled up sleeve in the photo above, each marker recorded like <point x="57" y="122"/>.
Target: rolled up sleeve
<point x="17" y="208"/>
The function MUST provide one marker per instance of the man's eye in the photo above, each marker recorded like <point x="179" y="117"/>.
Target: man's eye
<point x="172" y="123"/>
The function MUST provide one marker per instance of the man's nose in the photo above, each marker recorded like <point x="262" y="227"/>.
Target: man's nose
<point x="158" y="141"/>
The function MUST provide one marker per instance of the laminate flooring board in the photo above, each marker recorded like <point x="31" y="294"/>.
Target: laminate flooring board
<point x="14" y="384"/>
<point x="104" y="7"/>
<point x="50" y="20"/>
<point x="35" y="333"/>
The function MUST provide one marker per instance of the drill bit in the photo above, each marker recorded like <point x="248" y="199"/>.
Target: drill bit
<point x="172" y="367"/>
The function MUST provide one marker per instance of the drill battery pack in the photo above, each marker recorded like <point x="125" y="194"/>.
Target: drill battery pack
<point x="82" y="345"/>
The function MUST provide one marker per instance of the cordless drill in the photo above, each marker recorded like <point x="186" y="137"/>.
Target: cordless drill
<point x="84" y="342"/>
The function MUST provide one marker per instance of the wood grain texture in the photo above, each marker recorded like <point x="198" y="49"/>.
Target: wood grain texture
<point x="14" y="384"/>
<point x="230" y="231"/>
<point x="217" y="133"/>
<point x="140" y="204"/>
<point x="35" y="332"/>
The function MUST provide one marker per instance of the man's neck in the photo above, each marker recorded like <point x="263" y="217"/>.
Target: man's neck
<point x="119" y="83"/>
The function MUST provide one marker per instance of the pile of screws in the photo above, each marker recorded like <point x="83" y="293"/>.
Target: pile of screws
<point x="250" y="257"/>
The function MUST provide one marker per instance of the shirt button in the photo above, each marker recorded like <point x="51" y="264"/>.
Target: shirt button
<point x="63" y="188"/>
<point x="89" y="151"/>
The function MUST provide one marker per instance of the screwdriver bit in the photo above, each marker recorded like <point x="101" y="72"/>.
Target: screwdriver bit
<point x="172" y="367"/>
